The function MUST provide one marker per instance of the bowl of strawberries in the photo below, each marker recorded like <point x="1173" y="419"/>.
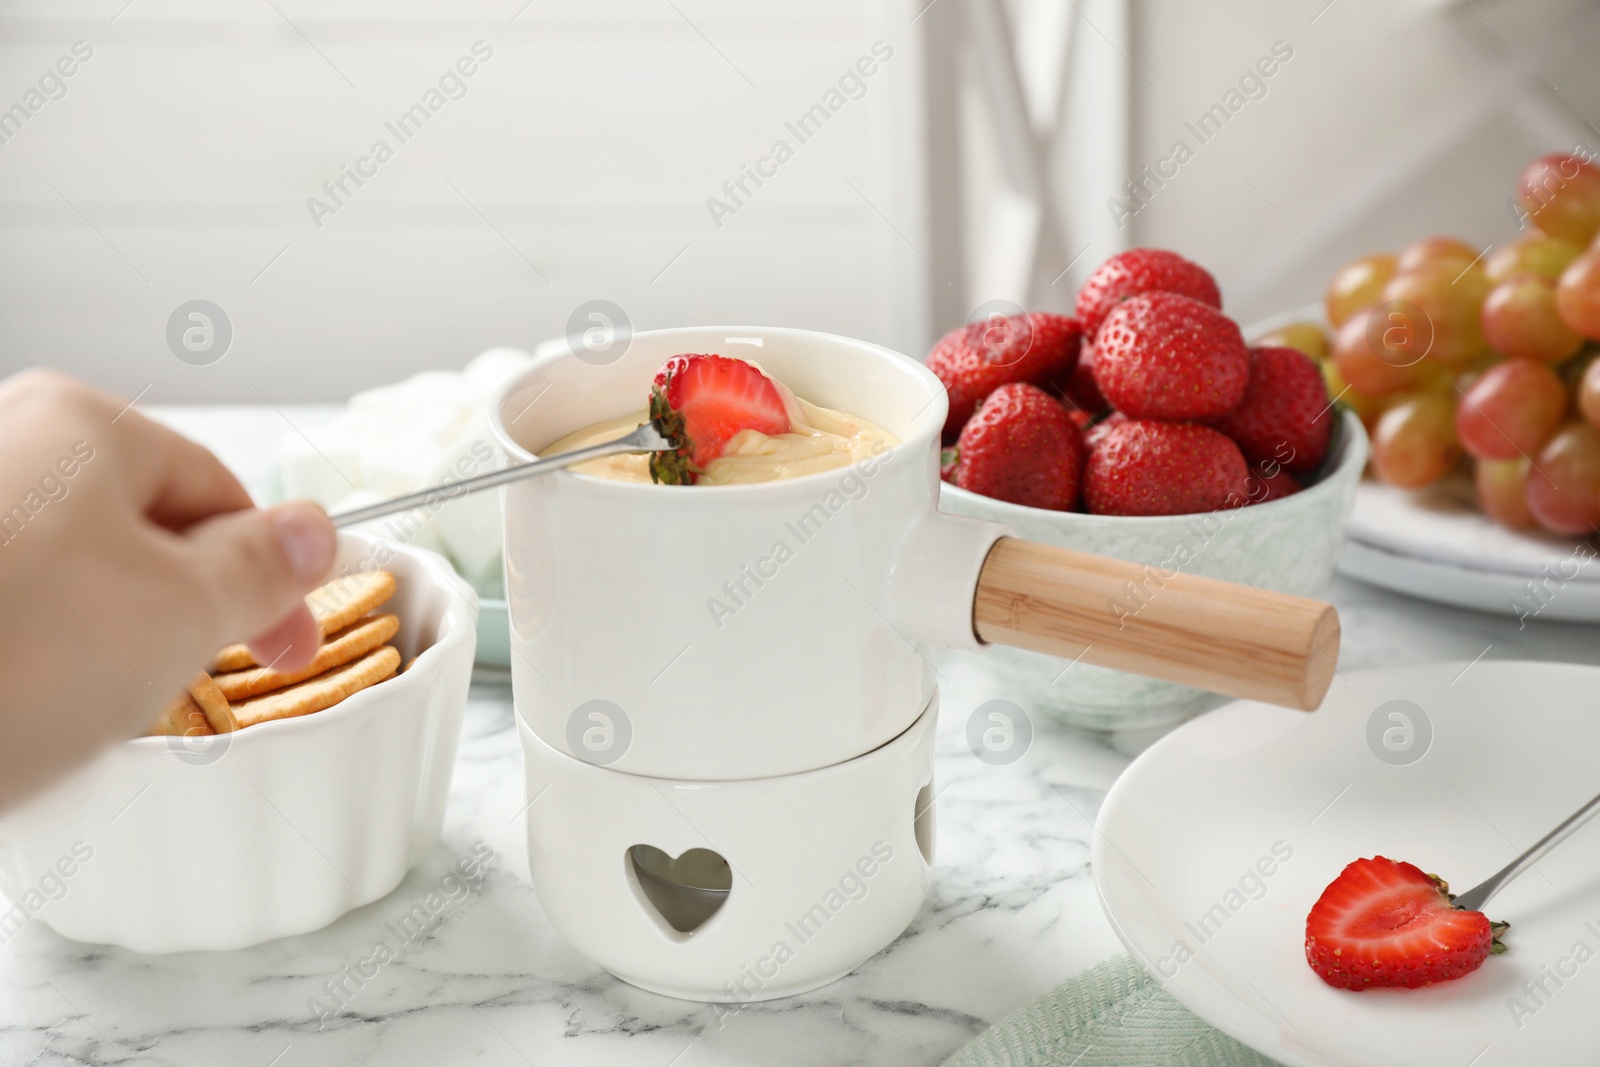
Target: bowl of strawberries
<point x="1143" y="427"/>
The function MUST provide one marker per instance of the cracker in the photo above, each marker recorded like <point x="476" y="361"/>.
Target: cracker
<point x="348" y="644"/>
<point x="182" y="718"/>
<point x="213" y="704"/>
<point x="335" y="605"/>
<point x="320" y="692"/>
<point x="233" y="658"/>
<point x="344" y="600"/>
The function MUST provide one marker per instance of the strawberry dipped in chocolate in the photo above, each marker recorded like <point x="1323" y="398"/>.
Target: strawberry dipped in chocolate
<point x="700" y="403"/>
<point x="729" y="423"/>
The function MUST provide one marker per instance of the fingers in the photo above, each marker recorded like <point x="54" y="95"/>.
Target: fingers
<point x="291" y="643"/>
<point x="171" y="479"/>
<point x="253" y="566"/>
<point x="259" y="564"/>
<point x="180" y="482"/>
<point x="194" y="486"/>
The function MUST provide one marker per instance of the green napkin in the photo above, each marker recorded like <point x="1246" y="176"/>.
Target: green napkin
<point x="1114" y="1015"/>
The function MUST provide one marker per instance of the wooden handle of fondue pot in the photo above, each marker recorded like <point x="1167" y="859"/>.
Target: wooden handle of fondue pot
<point x="1233" y="639"/>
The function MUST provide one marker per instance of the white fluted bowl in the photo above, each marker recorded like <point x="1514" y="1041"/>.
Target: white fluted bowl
<point x="162" y="845"/>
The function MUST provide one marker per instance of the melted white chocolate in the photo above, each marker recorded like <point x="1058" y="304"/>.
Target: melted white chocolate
<point x="819" y="439"/>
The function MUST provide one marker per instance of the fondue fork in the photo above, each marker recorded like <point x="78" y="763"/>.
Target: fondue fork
<point x="644" y="439"/>
<point x="1475" y="898"/>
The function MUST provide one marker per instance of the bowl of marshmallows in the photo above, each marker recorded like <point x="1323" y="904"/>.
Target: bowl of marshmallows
<point x="429" y="429"/>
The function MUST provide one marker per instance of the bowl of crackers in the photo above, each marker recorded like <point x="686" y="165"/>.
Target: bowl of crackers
<point x="265" y="803"/>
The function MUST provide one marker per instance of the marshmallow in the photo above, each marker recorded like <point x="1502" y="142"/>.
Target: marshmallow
<point x="395" y="466"/>
<point x="469" y="526"/>
<point x="403" y="437"/>
<point x="323" y="469"/>
<point x="494" y="366"/>
<point x="406" y="528"/>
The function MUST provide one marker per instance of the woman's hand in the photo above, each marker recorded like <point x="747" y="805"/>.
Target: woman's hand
<point x="128" y="555"/>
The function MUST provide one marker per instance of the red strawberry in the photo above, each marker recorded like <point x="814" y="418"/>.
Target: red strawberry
<point x="1384" y="923"/>
<point x="1021" y="446"/>
<point x="704" y="401"/>
<point x="1076" y="388"/>
<point x="1142" y="270"/>
<point x="1284" y="416"/>
<point x="1164" y="356"/>
<point x="976" y="359"/>
<point x="1143" y="467"/>
<point x="1091" y="436"/>
<point x="1263" y="488"/>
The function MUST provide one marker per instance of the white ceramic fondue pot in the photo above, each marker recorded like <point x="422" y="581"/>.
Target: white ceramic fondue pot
<point x="726" y="632"/>
<point x="724" y="700"/>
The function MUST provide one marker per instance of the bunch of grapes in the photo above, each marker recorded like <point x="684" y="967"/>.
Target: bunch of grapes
<point x="1455" y="359"/>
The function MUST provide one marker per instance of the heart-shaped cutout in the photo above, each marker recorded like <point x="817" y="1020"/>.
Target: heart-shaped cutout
<point x="922" y="822"/>
<point x="684" y="891"/>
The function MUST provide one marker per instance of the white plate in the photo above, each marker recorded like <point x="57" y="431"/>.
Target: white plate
<point x="1439" y="526"/>
<point x="1512" y="752"/>
<point x="1570" y="594"/>
<point x="1436" y="546"/>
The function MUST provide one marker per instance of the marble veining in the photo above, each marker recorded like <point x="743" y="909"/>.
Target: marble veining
<point x="1011" y="913"/>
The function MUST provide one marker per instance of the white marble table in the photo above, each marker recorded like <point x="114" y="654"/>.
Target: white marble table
<point x="1012" y="911"/>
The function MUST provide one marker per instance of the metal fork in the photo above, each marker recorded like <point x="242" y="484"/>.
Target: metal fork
<point x="645" y="439"/>
<point x="1475" y="898"/>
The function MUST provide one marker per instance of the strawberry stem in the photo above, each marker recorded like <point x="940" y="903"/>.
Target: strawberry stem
<point x="674" y="467"/>
<point x="1495" y="928"/>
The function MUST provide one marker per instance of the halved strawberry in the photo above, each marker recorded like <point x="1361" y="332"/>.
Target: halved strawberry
<point x="1385" y="923"/>
<point x="702" y="401"/>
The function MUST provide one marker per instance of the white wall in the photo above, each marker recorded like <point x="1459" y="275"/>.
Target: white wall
<point x="579" y="163"/>
<point x="1392" y="121"/>
<point x="577" y="166"/>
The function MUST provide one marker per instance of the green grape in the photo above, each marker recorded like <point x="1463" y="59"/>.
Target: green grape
<point x="1511" y="410"/>
<point x="1520" y="319"/>
<point x="1531" y="253"/>
<point x="1358" y="286"/>
<point x="1564" y="485"/>
<point x="1415" y="443"/>
<point x="1502" y="486"/>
